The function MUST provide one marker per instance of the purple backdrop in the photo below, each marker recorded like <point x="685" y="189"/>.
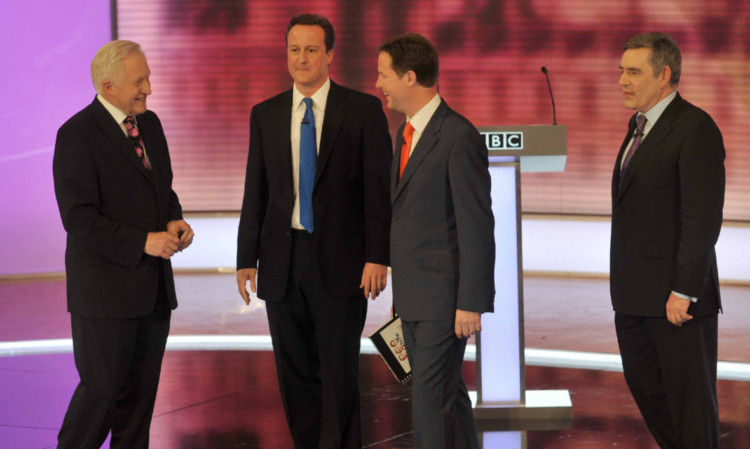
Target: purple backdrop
<point x="48" y="46"/>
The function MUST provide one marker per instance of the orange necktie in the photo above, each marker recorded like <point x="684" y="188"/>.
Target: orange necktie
<point x="405" y="148"/>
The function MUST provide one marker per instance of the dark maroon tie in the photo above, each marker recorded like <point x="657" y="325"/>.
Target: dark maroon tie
<point x="637" y="138"/>
<point x="135" y="138"/>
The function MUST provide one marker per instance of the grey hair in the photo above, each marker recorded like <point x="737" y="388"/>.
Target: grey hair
<point x="107" y="64"/>
<point x="664" y="52"/>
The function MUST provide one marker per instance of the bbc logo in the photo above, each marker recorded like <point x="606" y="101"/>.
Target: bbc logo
<point x="503" y="140"/>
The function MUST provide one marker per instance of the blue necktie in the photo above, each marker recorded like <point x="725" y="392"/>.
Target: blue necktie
<point x="307" y="155"/>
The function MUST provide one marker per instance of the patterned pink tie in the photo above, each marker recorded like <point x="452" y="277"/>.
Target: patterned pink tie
<point x="135" y="138"/>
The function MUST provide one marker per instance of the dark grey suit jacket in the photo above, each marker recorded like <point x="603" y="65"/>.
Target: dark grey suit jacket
<point x="667" y="216"/>
<point x="350" y="197"/>
<point x="109" y="203"/>
<point x="442" y="234"/>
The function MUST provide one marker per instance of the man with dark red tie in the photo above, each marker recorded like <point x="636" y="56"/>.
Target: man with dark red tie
<point x="667" y="200"/>
<point x="113" y="181"/>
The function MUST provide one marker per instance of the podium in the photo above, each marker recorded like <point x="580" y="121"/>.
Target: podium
<point x="502" y="401"/>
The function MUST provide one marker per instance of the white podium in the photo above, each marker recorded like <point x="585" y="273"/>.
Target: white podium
<point x="502" y="401"/>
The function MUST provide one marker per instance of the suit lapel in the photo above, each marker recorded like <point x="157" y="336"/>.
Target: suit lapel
<point x="618" y="161"/>
<point x="334" y="116"/>
<point x="426" y="143"/>
<point x="650" y="144"/>
<point x="396" y="161"/>
<point x="282" y="117"/>
<point x="145" y="128"/>
<point x="114" y="133"/>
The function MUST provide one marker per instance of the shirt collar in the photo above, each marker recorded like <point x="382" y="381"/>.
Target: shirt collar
<point x="422" y="117"/>
<point x="653" y="114"/>
<point x="319" y="98"/>
<point x="113" y="110"/>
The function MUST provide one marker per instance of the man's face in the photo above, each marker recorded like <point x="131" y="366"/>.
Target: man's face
<point x="641" y="87"/>
<point x="394" y="87"/>
<point x="129" y="93"/>
<point x="307" y="57"/>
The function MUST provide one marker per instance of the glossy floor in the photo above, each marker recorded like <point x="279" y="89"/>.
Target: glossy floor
<point x="229" y="399"/>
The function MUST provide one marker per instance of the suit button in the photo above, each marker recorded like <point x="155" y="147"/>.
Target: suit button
<point x="395" y="219"/>
<point x="288" y="233"/>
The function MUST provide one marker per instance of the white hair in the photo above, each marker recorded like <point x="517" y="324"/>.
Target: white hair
<point x="107" y="64"/>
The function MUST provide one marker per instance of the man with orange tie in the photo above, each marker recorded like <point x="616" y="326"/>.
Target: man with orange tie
<point x="314" y="230"/>
<point x="442" y="240"/>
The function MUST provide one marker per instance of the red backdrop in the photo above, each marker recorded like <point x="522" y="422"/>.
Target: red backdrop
<point x="213" y="59"/>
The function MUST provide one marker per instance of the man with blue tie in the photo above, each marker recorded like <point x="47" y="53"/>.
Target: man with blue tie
<point x="667" y="200"/>
<point x="314" y="230"/>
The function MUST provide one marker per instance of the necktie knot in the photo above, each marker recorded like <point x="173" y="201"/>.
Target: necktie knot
<point x="408" y="131"/>
<point x="640" y="124"/>
<point x="309" y="117"/>
<point x="130" y="127"/>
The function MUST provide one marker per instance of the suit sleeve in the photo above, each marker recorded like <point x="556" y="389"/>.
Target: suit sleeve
<point x="377" y="157"/>
<point x="702" y="183"/>
<point x="76" y="182"/>
<point x="470" y="186"/>
<point x="254" y="199"/>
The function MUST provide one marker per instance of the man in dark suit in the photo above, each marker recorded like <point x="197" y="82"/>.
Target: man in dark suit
<point x="667" y="199"/>
<point x="315" y="221"/>
<point x="113" y="182"/>
<point x="442" y="240"/>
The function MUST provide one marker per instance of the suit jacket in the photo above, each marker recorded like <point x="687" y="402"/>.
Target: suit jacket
<point x="351" y="211"/>
<point x="667" y="216"/>
<point x="109" y="203"/>
<point x="442" y="234"/>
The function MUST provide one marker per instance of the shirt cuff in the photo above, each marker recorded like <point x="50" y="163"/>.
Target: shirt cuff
<point x="689" y="298"/>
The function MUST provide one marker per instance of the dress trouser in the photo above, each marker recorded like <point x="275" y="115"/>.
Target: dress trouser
<point x="316" y="342"/>
<point x="671" y="372"/>
<point x="442" y="416"/>
<point x="119" y="364"/>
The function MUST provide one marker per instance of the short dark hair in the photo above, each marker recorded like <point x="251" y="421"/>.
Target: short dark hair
<point x="413" y="52"/>
<point x="664" y="52"/>
<point x="314" y="19"/>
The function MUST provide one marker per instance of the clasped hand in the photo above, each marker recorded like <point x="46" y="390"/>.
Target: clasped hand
<point x="178" y="236"/>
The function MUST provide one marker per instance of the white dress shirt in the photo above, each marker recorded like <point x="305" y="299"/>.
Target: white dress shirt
<point x="319" y="99"/>
<point x="421" y="119"/>
<point x="119" y="117"/>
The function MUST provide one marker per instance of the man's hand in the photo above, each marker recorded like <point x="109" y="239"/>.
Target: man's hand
<point x="677" y="310"/>
<point x="467" y="323"/>
<point x="181" y="230"/>
<point x="244" y="275"/>
<point x="161" y="244"/>
<point x="374" y="279"/>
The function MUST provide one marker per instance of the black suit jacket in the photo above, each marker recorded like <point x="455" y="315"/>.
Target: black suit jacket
<point x="351" y="210"/>
<point x="442" y="235"/>
<point x="109" y="203"/>
<point x="667" y="216"/>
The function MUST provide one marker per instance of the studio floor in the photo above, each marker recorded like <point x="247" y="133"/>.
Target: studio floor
<point x="229" y="398"/>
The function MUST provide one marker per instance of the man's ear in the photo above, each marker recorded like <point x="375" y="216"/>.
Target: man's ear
<point x="411" y="78"/>
<point x="665" y="76"/>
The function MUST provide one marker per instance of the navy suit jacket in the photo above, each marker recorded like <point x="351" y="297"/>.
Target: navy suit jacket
<point x="109" y="202"/>
<point x="667" y="216"/>
<point x="351" y="211"/>
<point x="442" y="235"/>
